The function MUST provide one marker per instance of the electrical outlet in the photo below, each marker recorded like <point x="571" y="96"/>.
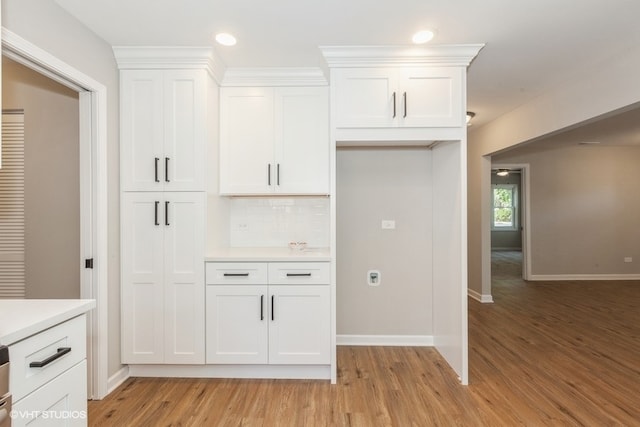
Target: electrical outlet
<point x="628" y="259"/>
<point x="374" y="278"/>
<point x="388" y="224"/>
<point x="243" y="227"/>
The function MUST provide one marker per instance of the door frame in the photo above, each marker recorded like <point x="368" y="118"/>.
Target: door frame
<point x="525" y="212"/>
<point x="93" y="193"/>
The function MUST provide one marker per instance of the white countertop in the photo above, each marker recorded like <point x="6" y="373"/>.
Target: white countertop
<point x="269" y="254"/>
<point x="21" y="318"/>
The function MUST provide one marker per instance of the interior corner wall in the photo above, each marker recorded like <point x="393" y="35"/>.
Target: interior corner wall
<point x="375" y="184"/>
<point x="596" y="91"/>
<point x="51" y="28"/>
<point x="52" y="180"/>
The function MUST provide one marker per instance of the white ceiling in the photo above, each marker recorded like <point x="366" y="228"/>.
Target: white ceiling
<point x="531" y="45"/>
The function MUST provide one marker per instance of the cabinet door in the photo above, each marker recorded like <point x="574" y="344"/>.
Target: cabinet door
<point x="185" y="135"/>
<point x="237" y="324"/>
<point x="184" y="233"/>
<point x="365" y="97"/>
<point x="66" y="394"/>
<point x="246" y="140"/>
<point x="431" y="97"/>
<point x="141" y="135"/>
<point x="299" y="326"/>
<point x="142" y="281"/>
<point x="302" y="140"/>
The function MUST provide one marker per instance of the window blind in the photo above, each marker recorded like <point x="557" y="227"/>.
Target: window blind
<point x="12" y="269"/>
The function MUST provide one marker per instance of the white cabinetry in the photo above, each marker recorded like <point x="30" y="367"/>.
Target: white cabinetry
<point x="162" y="278"/>
<point x="274" y="140"/>
<point x="48" y="375"/>
<point x="166" y="112"/>
<point x="163" y="129"/>
<point x="275" y="313"/>
<point x="398" y="97"/>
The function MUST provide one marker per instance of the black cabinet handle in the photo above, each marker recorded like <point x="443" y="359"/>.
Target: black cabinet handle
<point x="155" y="172"/>
<point x="42" y="363"/>
<point x="298" y="274"/>
<point x="278" y="174"/>
<point x="235" y="274"/>
<point x="261" y="307"/>
<point x="166" y="213"/>
<point x="404" y="101"/>
<point x="156" y="213"/>
<point x="166" y="169"/>
<point x="394" y="105"/>
<point x="272" y="308"/>
<point x="269" y="174"/>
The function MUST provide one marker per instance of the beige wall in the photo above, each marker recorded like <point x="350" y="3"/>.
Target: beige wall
<point x="372" y="185"/>
<point x="585" y="208"/>
<point x="45" y="24"/>
<point x="598" y="90"/>
<point x="52" y="185"/>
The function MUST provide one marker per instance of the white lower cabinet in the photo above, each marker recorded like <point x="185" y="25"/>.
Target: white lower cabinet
<point x="162" y="285"/>
<point x="48" y="376"/>
<point x="277" y="324"/>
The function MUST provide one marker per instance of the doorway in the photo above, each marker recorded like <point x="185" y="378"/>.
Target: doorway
<point x="48" y="224"/>
<point x="509" y="218"/>
<point x="93" y="193"/>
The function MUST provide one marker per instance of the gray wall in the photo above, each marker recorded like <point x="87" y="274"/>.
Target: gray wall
<point x="504" y="239"/>
<point x="48" y="26"/>
<point x="52" y="185"/>
<point x="593" y="91"/>
<point x="375" y="185"/>
<point x="585" y="208"/>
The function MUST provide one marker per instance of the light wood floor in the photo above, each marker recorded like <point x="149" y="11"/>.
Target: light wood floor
<point x="544" y="354"/>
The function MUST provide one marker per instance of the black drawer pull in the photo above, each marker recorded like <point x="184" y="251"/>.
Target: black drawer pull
<point x="298" y="274"/>
<point x="236" y="274"/>
<point x="261" y="307"/>
<point x="42" y="363"/>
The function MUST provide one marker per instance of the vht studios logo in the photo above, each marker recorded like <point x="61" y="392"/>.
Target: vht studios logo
<point x="49" y="415"/>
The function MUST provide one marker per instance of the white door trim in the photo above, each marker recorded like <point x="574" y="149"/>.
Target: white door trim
<point x="525" y="210"/>
<point x="93" y="107"/>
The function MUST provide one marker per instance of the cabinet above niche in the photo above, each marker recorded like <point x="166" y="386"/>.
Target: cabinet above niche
<point x="385" y="93"/>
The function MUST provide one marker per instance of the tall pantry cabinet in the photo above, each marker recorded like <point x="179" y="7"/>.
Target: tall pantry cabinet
<point x="163" y="146"/>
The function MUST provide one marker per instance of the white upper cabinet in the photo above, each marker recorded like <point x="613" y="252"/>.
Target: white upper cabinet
<point x="398" y="97"/>
<point x="274" y="140"/>
<point x="163" y="129"/>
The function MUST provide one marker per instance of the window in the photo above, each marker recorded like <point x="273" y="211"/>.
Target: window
<point x="504" y="207"/>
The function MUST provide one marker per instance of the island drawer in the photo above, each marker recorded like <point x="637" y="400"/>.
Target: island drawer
<point x="299" y="273"/>
<point x="40" y="358"/>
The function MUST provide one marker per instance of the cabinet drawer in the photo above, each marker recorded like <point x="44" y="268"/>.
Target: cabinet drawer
<point x="62" y="401"/>
<point x="240" y="273"/>
<point x="40" y="347"/>
<point x="299" y="273"/>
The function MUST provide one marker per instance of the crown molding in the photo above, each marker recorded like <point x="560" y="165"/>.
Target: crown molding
<point x="388" y="56"/>
<point x="163" y="57"/>
<point x="285" y="76"/>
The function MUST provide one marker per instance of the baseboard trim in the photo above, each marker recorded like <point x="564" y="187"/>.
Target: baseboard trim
<point x="386" y="340"/>
<point x="118" y="378"/>
<point x="565" y="277"/>
<point x="318" y="372"/>
<point x="483" y="298"/>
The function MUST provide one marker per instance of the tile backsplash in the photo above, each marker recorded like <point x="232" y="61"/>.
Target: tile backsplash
<point x="276" y="221"/>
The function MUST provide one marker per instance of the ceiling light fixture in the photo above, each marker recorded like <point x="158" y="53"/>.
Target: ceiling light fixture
<point x="422" y="36"/>
<point x="225" y="39"/>
<point x="470" y="115"/>
<point x="503" y="172"/>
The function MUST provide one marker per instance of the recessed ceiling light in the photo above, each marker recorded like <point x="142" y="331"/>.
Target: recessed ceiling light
<point x="422" y="36"/>
<point x="588" y="142"/>
<point x="225" y="39"/>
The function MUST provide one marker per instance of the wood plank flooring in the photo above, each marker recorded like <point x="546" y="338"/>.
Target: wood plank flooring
<point x="544" y="354"/>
